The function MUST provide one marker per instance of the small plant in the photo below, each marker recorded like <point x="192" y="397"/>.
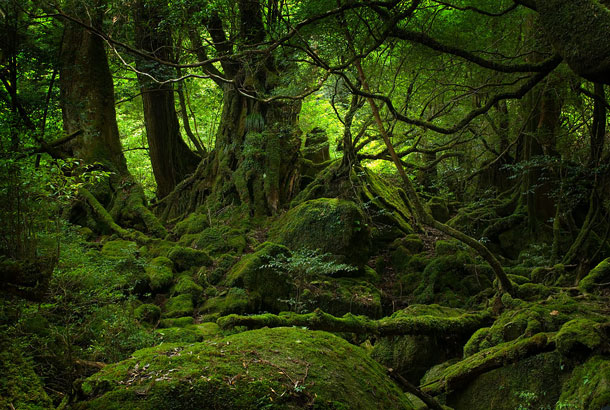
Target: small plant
<point x="301" y="267"/>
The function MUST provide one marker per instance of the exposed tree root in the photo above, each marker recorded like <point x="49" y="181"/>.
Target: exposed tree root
<point x="391" y="326"/>
<point x="465" y="371"/>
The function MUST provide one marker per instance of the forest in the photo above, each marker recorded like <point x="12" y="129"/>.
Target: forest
<point x="305" y="204"/>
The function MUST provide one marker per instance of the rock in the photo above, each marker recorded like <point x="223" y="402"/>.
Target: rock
<point x="332" y="226"/>
<point x="287" y="368"/>
<point x="185" y="258"/>
<point x="178" y="306"/>
<point x="147" y="313"/>
<point x="159" y="273"/>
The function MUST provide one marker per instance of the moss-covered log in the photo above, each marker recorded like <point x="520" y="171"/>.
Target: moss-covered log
<point x="461" y="373"/>
<point x="391" y="326"/>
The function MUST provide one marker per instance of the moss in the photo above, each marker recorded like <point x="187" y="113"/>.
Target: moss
<point x="447" y="280"/>
<point x="343" y="295"/>
<point x="186" y="258"/>
<point x="548" y="276"/>
<point x="477" y="342"/>
<point x="532" y="291"/>
<point x="598" y="275"/>
<point x="447" y="247"/>
<point x="221" y="266"/>
<point x="235" y="300"/>
<point x="399" y="258"/>
<point x="217" y="240"/>
<point x="176" y="322"/>
<point x="119" y="249"/>
<point x="265" y="285"/>
<point x="20" y="386"/>
<point x="148" y="313"/>
<point x="438" y="209"/>
<point x="588" y="386"/>
<point x="276" y="368"/>
<point x="186" y="286"/>
<point x="532" y="383"/>
<point x="194" y="223"/>
<point x="178" y="306"/>
<point x="578" y="336"/>
<point x="331" y="225"/>
<point x="410" y="356"/>
<point x="413" y="243"/>
<point x="159" y="273"/>
<point x="189" y="333"/>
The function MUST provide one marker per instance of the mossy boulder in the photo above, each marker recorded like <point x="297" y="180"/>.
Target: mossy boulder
<point x="283" y="368"/>
<point x="448" y="247"/>
<point x="332" y="226"/>
<point x="147" y="313"/>
<point x="266" y="286"/>
<point x="412" y="356"/>
<point x="343" y="295"/>
<point x="185" y="285"/>
<point x="176" y="322"/>
<point x="185" y="258"/>
<point x="588" y="386"/>
<point x="579" y="337"/>
<point x="235" y="300"/>
<point x="597" y="276"/>
<point x="194" y="223"/>
<point x="531" y="383"/>
<point x="160" y="273"/>
<point x="178" y="306"/>
<point x="119" y="249"/>
<point x="217" y="240"/>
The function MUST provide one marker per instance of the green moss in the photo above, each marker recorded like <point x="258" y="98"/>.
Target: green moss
<point x="265" y="285"/>
<point x="186" y="258"/>
<point x="178" y="306"/>
<point x="447" y="247"/>
<point x="411" y="356"/>
<point x="190" y="333"/>
<point x="578" y="336"/>
<point x="532" y="291"/>
<point x="276" y="368"/>
<point x="598" y="275"/>
<point x="330" y="225"/>
<point x="194" y="223"/>
<point x="176" y="322"/>
<point x="548" y="276"/>
<point x="400" y="258"/>
<point x="148" y="313"/>
<point x="220" y="239"/>
<point x="235" y="300"/>
<point x="159" y="273"/>
<point x="20" y="386"/>
<point x="438" y="209"/>
<point x="477" y="342"/>
<point x="186" y="286"/>
<point x="531" y="383"/>
<point x="119" y="249"/>
<point x="221" y="266"/>
<point x="343" y="295"/>
<point x="413" y="243"/>
<point x="588" y="386"/>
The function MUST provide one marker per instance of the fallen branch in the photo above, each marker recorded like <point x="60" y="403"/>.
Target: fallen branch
<point x="391" y="326"/>
<point x="461" y="373"/>
<point x="428" y="400"/>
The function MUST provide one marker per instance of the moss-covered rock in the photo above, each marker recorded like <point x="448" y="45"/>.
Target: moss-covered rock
<point x="532" y="383"/>
<point x="176" y="322"/>
<point x="185" y="258"/>
<point x="598" y="275"/>
<point x="285" y="368"/>
<point x="588" y="386"/>
<point x="159" y="273"/>
<point x="185" y="285"/>
<point x="119" y="249"/>
<point x="578" y="337"/>
<point x="330" y="225"/>
<point x="266" y="286"/>
<point x="412" y="356"/>
<point x="194" y="223"/>
<point x="448" y="247"/>
<point x="178" y="306"/>
<point x="217" y="240"/>
<point x="147" y="313"/>
<point x="235" y="300"/>
<point x="438" y="209"/>
<point x="190" y="333"/>
<point x="343" y="295"/>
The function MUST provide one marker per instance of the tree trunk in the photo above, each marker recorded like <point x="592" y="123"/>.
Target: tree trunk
<point x="87" y="99"/>
<point x="171" y="158"/>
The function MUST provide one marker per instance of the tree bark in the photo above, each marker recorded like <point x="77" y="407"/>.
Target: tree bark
<point x="171" y="158"/>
